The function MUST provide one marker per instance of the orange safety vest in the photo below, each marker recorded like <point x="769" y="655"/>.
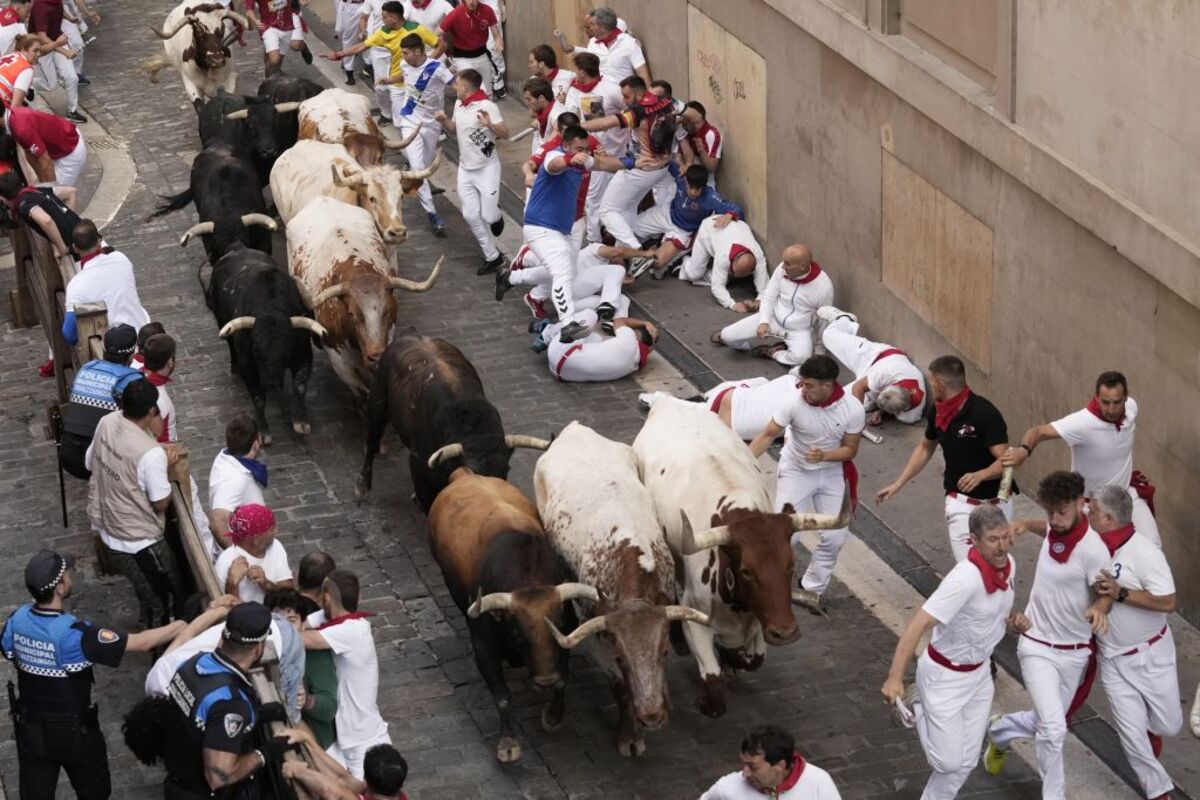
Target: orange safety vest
<point x="11" y="66"/>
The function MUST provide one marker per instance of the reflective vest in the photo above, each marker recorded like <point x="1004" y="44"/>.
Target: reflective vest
<point x="52" y="671"/>
<point x="94" y="394"/>
<point x="11" y="66"/>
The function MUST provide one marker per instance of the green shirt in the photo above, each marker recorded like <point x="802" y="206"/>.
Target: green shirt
<point x="320" y="681"/>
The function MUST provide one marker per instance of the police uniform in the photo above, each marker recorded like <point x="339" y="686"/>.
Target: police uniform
<point x="55" y="722"/>
<point x="93" y="396"/>
<point x="218" y="710"/>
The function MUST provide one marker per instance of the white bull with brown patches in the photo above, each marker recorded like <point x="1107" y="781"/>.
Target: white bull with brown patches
<point x="737" y="565"/>
<point x="193" y="43"/>
<point x="313" y="169"/>
<point x="341" y="267"/>
<point x="340" y="117"/>
<point x="601" y="520"/>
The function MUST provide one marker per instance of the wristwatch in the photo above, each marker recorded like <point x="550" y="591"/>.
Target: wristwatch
<point x="1121" y="595"/>
<point x="1028" y="450"/>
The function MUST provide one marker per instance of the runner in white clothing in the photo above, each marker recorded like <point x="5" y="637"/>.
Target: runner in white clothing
<point x="1137" y="652"/>
<point x="592" y="96"/>
<point x="620" y="53"/>
<point x="1056" y="650"/>
<point x="886" y="381"/>
<point x="786" y="309"/>
<point x="598" y="280"/>
<point x="1101" y="440"/>
<point x="427" y="12"/>
<point x="824" y="425"/>
<point x="425" y="81"/>
<point x="773" y="768"/>
<point x="346" y="26"/>
<point x="478" y="124"/>
<point x="746" y="406"/>
<point x="380" y="60"/>
<point x="952" y="696"/>
<point x="720" y="254"/>
<point x="543" y="63"/>
<point x="598" y="357"/>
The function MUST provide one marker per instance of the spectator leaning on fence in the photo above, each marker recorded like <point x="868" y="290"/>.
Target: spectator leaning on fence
<point x="49" y="211"/>
<point x="105" y="276"/>
<point x="237" y="477"/>
<point x="255" y="563"/>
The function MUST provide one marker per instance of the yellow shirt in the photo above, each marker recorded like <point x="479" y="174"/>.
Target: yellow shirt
<point x="390" y="41"/>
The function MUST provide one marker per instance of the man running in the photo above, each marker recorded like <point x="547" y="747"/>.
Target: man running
<point x="277" y="22"/>
<point x="423" y="95"/>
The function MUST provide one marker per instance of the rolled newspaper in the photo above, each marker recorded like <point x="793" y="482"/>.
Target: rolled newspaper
<point x="872" y="436"/>
<point x="1006" y="480"/>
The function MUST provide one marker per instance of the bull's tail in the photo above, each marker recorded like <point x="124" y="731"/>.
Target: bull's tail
<point x="154" y="65"/>
<point x="171" y="202"/>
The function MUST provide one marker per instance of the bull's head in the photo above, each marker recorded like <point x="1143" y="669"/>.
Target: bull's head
<point x="751" y="561"/>
<point x="485" y="457"/>
<point x="638" y="632"/>
<point x="271" y="342"/>
<point x="227" y="232"/>
<point x="208" y="48"/>
<point x="379" y="190"/>
<point x="527" y="608"/>
<point x="261" y="118"/>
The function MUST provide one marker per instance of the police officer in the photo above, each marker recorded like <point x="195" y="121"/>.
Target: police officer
<point x="213" y="750"/>
<point x="93" y="395"/>
<point x="55" y="721"/>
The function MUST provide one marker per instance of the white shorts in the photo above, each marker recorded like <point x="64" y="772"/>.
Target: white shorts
<point x="68" y="168"/>
<point x="352" y="757"/>
<point x="273" y="38"/>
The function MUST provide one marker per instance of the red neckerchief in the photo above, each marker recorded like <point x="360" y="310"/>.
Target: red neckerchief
<point x="1061" y="545"/>
<point x="948" y="409"/>
<point x="349" y="615"/>
<point x="837" y="394"/>
<point x="1094" y="407"/>
<point x="83" y="260"/>
<point x="643" y="353"/>
<point x="551" y="75"/>
<point x="813" y="271"/>
<point x="1116" y="538"/>
<point x="474" y="98"/>
<point x="915" y="394"/>
<point x="793" y="777"/>
<point x="8" y="16"/>
<point x="584" y="86"/>
<point x="736" y="251"/>
<point x="993" y="577"/>
<point x="609" y="38"/>
<point x="543" y="118"/>
<point x="154" y="378"/>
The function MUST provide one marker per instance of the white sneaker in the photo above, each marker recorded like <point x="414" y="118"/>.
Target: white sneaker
<point x="830" y="313"/>
<point x="705" y="280"/>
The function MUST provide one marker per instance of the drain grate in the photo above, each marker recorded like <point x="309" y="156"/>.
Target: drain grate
<point x="105" y="143"/>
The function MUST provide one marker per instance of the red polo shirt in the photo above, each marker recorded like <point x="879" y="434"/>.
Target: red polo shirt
<point x="39" y="132"/>
<point x="46" y="16"/>
<point x="469" y="29"/>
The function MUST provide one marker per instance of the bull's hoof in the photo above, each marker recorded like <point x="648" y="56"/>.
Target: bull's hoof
<point x="712" y="703"/>
<point x="630" y="746"/>
<point x="302" y="428"/>
<point x="508" y="750"/>
<point x="361" y="490"/>
<point x="551" y="719"/>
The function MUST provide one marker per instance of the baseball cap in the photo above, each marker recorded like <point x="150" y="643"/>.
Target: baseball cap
<point x="248" y="623"/>
<point x="120" y="340"/>
<point x="45" y="570"/>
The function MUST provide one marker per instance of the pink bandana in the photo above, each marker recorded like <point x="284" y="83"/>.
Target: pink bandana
<point x="249" y="521"/>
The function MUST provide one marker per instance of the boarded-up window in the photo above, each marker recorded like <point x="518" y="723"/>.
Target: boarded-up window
<point x="937" y="258"/>
<point x="730" y="80"/>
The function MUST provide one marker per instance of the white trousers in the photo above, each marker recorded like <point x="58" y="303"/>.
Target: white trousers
<point x="656" y="221"/>
<point x="352" y="757"/>
<point x="1051" y="678"/>
<point x="591" y="287"/>
<point x="1143" y="693"/>
<point x="958" y="514"/>
<point x="75" y="42"/>
<point x="560" y="256"/>
<point x="53" y="68"/>
<point x="619" y="208"/>
<point x="481" y="64"/>
<point x="822" y="490"/>
<point x="479" y="190"/>
<point x="743" y="335"/>
<point x="68" y="168"/>
<point x="496" y="64"/>
<point x="597" y="185"/>
<point x="856" y="352"/>
<point x="274" y="39"/>
<point x="699" y="259"/>
<point x="381" y="65"/>
<point x="951" y="720"/>
<point x="347" y="25"/>
<point x="1143" y="519"/>
<point x="420" y="153"/>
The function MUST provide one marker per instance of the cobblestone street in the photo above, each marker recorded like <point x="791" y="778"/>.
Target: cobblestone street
<point x="824" y="688"/>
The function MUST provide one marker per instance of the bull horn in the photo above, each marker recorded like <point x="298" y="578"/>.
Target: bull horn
<point x="576" y="591"/>
<point x="241" y="113"/>
<point x="403" y="143"/>
<point x="442" y="453"/>
<point x="259" y="219"/>
<point x="496" y="601"/>
<point x="171" y="34"/>
<point x="686" y="614"/>
<point x="199" y="229"/>
<point x="284" y="108"/>
<point x="532" y="442"/>
<point x="310" y="325"/>
<point x="328" y="294"/>
<point x="592" y="626"/>
<point x="235" y="325"/>
<point x="343" y="178"/>
<point x="691" y="543"/>
<point x="824" y="522"/>
<point x="422" y="174"/>
<point x="413" y="286"/>
<point x="229" y="13"/>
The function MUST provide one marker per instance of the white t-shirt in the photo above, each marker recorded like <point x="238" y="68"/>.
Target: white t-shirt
<point x="814" y="784"/>
<point x="152" y="479"/>
<point x="1061" y="592"/>
<point x="8" y="35"/>
<point x="754" y="402"/>
<point x="603" y="100"/>
<point x="373" y="11"/>
<point x="561" y="84"/>
<point x="428" y="101"/>
<point x="431" y="15"/>
<point x="620" y="60"/>
<point x="274" y="563"/>
<point x="594" y="358"/>
<point x="890" y="371"/>
<point x="108" y="278"/>
<point x="230" y="484"/>
<point x="1099" y="452"/>
<point x="1138" y="564"/>
<point x="358" y="720"/>
<point x="159" y="676"/>
<point x="971" y="622"/>
<point x="812" y="426"/>
<point x="476" y="143"/>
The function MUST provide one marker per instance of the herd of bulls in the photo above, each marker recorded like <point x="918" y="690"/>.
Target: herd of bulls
<point x="609" y="552"/>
